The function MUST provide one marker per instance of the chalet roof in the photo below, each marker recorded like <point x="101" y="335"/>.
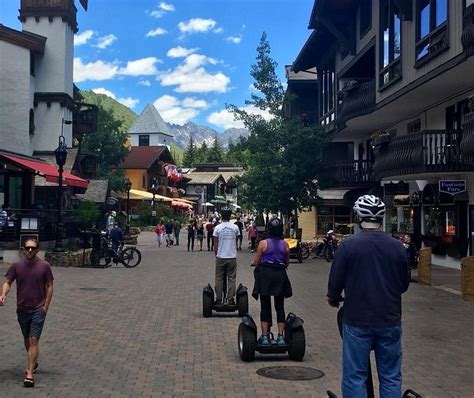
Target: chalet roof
<point x="149" y="122"/>
<point x="315" y="48"/>
<point x="307" y="75"/>
<point x="203" y="177"/>
<point x="96" y="191"/>
<point x="142" y="157"/>
<point x="28" y="40"/>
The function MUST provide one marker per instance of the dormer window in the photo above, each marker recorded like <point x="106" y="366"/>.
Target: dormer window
<point x="144" y="140"/>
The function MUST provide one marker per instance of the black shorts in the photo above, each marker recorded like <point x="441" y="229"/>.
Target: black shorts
<point x="31" y="322"/>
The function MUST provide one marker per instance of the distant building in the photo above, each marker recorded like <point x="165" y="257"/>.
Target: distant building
<point x="149" y="129"/>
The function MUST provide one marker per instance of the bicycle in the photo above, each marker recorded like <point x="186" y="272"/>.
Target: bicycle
<point x="130" y="257"/>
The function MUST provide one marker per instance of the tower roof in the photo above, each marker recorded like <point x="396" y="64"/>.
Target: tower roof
<point x="149" y="122"/>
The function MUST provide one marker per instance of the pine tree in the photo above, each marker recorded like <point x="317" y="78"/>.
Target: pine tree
<point x="189" y="158"/>
<point x="216" y="152"/>
<point x="202" y="153"/>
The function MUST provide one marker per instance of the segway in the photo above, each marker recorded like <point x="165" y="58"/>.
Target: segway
<point x="369" y="382"/>
<point x="241" y="301"/>
<point x="294" y="337"/>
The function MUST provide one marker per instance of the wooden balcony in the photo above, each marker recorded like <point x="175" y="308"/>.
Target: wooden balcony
<point x="429" y="151"/>
<point x="356" y="101"/>
<point x="84" y="119"/>
<point x="467" y="37"/>
<point x="347" y="174"/>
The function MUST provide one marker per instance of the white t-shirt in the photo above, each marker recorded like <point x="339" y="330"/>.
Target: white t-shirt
<point x="227" y="233"/>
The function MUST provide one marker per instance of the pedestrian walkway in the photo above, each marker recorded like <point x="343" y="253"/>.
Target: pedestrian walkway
<point x="142" y="334"/>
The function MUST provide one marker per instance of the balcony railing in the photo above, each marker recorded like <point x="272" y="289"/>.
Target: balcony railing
<point x="429" y="151"/>
<point x="467" y="37"/>
<point x="356" y="101"/>
<point x="347" y="174"/>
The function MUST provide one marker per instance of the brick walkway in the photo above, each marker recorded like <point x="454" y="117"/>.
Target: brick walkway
<point x="145" y="336"/>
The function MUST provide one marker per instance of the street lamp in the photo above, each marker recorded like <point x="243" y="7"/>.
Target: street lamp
<point x="61" y="155"/>
<point x="153" y="191"/>
<point x="128" y="186"/>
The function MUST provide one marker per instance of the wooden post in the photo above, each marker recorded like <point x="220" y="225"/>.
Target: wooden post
<point x="424" y="266"/>
<point x="467" y="278"/>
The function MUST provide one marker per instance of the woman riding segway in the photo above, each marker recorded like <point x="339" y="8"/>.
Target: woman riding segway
<point x="271" y="260"/>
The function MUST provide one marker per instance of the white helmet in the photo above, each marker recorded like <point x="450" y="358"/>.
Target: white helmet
<point x="369" y="208"/>
<point x="330" y="232"/>
<point x="113" y="213"/>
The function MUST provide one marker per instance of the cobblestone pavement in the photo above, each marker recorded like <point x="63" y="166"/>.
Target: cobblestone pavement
<point x="145" y="335"/>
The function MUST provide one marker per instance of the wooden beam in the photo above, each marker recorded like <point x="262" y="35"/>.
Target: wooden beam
<point x="346" y="42"/>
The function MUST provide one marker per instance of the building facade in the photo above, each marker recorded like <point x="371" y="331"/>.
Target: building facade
<point x="394" y="82"/>
<point x="149" y="129"/>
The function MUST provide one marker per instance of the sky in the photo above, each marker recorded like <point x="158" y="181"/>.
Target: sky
<point x="187" y="57"/>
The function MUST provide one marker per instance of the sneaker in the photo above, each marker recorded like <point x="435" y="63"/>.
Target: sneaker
<point x="263" y="340"/>
<point x="280" y="340"/>
<point x="218" y="302"/>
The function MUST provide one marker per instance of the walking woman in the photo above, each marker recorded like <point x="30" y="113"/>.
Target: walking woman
<point x="253" y="236"/>
<point x="160" y="233"/>
<point x="200" y="236"/>
<point x="190" y="228"/>
<point x="271" y="279"/>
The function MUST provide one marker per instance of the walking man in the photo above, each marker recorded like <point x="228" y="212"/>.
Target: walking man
<point x="240" y="237"/>
<point x="169" y="233"/>
<point x="177" y="230"/>
<point x="371" y="268"/>
<point x="34" y="283"/>
<point x="225" y="235"/>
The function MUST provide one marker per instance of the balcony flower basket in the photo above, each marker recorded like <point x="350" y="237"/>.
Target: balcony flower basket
<point x="380" y="138"/>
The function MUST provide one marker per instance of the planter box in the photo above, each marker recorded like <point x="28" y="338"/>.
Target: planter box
<point x="467" y="278"/>
<point x="76" y="259"/>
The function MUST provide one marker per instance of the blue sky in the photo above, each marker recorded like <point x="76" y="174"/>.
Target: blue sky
<point x="188" y="57"/>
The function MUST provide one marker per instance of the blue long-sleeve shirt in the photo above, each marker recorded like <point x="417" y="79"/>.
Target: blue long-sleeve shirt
<point x="372" y="269"/>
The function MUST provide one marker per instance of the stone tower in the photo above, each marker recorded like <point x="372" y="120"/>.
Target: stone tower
<point x="53" y="71"/>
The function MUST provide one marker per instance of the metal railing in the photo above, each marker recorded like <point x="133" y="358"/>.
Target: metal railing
<point x="347" y="174"/>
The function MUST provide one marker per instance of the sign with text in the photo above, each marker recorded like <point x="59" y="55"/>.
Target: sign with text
<point x="452" y="187"/>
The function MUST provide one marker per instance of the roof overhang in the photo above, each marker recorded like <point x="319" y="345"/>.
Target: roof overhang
<point x="28" y="40"/>
<point x="314" y="51"/>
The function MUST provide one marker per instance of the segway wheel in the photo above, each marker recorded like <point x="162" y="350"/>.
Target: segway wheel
<point x="297" y="345"/>
<point x="206" y="305"/>
<point x="243" y="304"/>
<point x="247" y="340"/>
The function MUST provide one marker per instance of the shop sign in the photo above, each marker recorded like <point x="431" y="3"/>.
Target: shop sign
<point x="452" y="187"/>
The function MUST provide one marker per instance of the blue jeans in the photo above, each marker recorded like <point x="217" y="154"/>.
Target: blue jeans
<point x="357" y="344"/>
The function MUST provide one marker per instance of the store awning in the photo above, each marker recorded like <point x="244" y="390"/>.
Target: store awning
<point x="48" y="171"/>
<point x="176" y="203"/>
<point x="149" y="195"/>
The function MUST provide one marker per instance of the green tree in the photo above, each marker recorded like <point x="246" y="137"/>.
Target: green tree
<point x="107" y="143"/>
<point x="202" y="153"/>
<point x="282" y="156"/>
<point x="189" y="157"/>
<point x="216" y="152"/>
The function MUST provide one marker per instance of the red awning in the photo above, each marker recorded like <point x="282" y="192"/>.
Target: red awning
<point x="47" y="170"/>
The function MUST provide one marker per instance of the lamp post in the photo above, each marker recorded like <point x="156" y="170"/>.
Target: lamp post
<point x="128" y="186"/>
<point x="61" y="155"/>
<point x="153" y="191"/>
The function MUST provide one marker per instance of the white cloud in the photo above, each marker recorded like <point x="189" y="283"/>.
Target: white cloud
<point x="191" y="102"/>
<point x="225" y="119"/>
<point x="218" y="30"/>
<point x="105" y="41"/>
<point x="234" y="39"/>
<point x="180" y="52"/>
<point x="145" y="83"/>
<point x="163" y="8"/>
<point x="83" y="37"/>
<point x="156" y="32"/>
<point x="129" y="102"/>
<point x="98" y="70"/>
<point x="195" y="25"/>
<point x="101" y="70"/>
<point x="174" y="111"/>
<point x="141" y="67"/>
<point x="191" y="76"/>
<point x="166" y="6"/>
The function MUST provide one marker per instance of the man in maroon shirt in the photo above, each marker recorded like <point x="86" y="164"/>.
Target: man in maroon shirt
<point x="34" y="283"/>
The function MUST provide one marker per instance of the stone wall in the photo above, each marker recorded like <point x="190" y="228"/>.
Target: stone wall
<point x="69" y="259"/>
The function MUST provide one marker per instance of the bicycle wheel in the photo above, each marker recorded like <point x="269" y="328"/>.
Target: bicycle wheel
<point x="131" y="257"/>
<point x="304" y="251"/>
<point x="105" y="259"/>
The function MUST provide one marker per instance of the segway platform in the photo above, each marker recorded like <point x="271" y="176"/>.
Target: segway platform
<point x="241" y="302"/>
<point x="294" y="336"/>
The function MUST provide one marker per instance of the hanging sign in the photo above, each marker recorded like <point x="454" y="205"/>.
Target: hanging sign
<point x="452" y="187"/>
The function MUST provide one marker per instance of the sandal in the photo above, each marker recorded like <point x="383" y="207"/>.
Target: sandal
<point x="28" y="382"/>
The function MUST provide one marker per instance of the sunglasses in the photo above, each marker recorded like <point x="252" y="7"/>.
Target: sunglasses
<point x="30" y="249"/>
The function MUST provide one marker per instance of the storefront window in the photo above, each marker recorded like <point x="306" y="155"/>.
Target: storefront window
<point x="434" y="221"/>
<point x="337" y="218"/>
<point x="450" y="221"/>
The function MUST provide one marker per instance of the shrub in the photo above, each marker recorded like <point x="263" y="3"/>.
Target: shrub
<point x="88" y="214"/>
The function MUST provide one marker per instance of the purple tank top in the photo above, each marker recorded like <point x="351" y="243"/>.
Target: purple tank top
<point x="275" y="253"/>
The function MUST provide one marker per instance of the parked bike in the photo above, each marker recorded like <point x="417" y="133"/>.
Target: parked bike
<point x="105" y="255"/>
<point x="326" y="249"/>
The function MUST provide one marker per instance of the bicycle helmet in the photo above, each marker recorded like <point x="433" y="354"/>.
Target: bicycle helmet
<point x="369" y="208"/>
<point x="275" y="228"/>
<point x="226" y="213"/>
<point x="113" y="213"/>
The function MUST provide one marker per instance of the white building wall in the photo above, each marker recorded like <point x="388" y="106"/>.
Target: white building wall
<point x="155" y="139"/>
<point x="15" y="98"/>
